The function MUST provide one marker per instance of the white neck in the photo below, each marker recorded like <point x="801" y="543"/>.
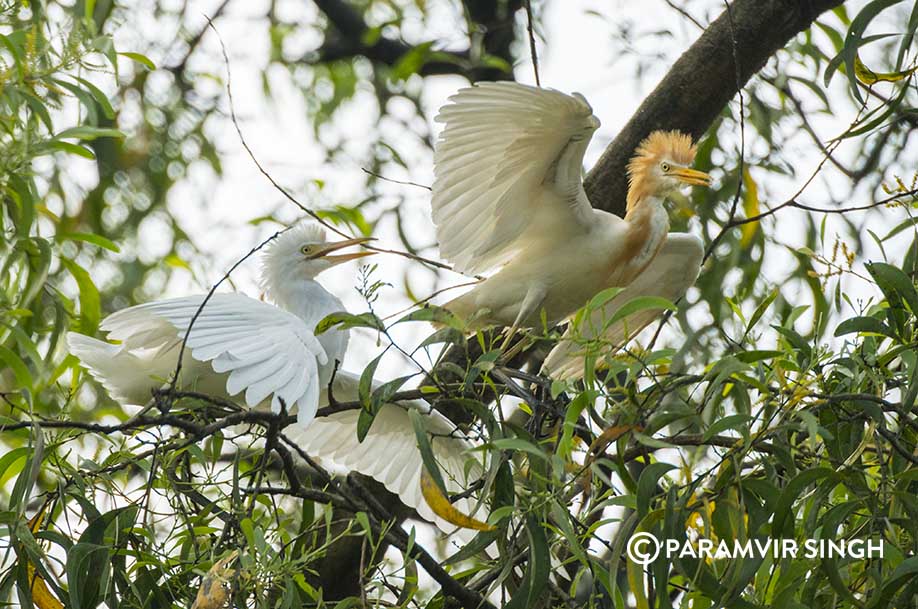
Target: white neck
<point x="306" y="299"/>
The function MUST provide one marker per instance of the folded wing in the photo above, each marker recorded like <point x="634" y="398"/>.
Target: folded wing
<point x="669" y="275"/>
<point x="495" y="166"/>
<point x="262" y="350"/>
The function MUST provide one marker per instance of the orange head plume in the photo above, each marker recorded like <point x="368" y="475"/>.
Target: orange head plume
<point x="661" y="154"/>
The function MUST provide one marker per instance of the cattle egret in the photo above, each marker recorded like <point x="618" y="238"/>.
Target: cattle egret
<point x="237" y="343"/>
<point x="508" y="197"/>
<point x="271" y="353"/>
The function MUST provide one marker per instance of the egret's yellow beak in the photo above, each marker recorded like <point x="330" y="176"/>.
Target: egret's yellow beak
<point x="332" y="247"/>
<point x="692" y="176"/>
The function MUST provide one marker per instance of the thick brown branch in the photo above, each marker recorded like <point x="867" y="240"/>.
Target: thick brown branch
<point x="702" y="82"/>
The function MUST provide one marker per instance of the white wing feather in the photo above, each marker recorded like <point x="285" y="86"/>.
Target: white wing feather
<point x="672" y="271"/>
<point x="265" y="351"/>
<point x="491" y="165"/>
<point x="389" y="454"/>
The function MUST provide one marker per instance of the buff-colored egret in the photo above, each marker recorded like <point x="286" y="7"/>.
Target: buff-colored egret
<point x="270" y="352"/>
<point x="508" y="199"/>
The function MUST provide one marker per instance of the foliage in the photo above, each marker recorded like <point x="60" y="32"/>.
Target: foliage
<point x="779" y="400"/>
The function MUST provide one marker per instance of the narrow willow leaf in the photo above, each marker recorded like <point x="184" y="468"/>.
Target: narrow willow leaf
<point x="440" y="505"/>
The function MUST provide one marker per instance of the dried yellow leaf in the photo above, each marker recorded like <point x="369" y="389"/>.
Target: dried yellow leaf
<point x="441" y="506"/>
<point x="41" y="594"/>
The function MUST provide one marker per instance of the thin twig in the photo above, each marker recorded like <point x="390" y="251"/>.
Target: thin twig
<point x="532" y="43"/>
<point x="393" y="180"/>
<point x="315" y="216"/>
<point x="213" y="289"/>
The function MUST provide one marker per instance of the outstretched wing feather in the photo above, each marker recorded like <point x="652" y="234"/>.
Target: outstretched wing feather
<point x="266" y="350"/>
<point x="491" y="162"/>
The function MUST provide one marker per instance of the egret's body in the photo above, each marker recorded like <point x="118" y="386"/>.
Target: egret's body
<point x="237" y="344"/>
<point x="609" y="252"/>
<point x="270" y="354"/>
<point x="508" y="199"/>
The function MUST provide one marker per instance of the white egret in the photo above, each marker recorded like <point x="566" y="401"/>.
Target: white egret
<point x="270" y="352"/>
<point x="237" y="343"/>
<point x="508" y="197"/>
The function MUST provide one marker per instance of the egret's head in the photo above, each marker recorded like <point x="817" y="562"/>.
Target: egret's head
<point x="303" y="252"/>
<point x="661" y="165"/>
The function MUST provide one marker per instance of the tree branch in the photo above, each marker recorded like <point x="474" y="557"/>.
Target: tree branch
<point x="494" y="20"/>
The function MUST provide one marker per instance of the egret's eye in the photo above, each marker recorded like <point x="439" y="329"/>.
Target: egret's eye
<point x="306" y="249"/>
<point x="665" y="167"/>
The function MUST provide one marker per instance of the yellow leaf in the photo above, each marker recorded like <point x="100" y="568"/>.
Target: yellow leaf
<point x="441" y="506"/>
<point x="41" y="595"/>
<point x="869" y="77"/>
<point x="750" y="207"/>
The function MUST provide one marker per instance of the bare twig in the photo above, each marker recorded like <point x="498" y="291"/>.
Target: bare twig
<point x="287" y="195"/>
<point x="532" y="42"/>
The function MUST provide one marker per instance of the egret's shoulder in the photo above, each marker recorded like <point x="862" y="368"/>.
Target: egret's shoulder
<point x="608" y="223"/>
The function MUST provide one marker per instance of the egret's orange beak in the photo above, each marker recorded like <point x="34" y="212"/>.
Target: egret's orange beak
<point x="332" y="247"/>
<point x="692" y="176"/>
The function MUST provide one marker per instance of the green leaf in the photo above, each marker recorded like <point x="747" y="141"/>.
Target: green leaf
<point x="602" y="298"/>
<point x="433" y="314"/>
<point x="538" y="568"/>
<point x="100" y="97"/>
<point x="427" y="456"/>
<point x="518" y="444"/>
<point x="733" y="421"/>
<point x="364" y="392"/>
<point x="39" y="254"/>
<point x="90" y="238"/>
<point x="760" y="310"/>
<point x="383" y="393"/>
<point x="20" y="370"/>
<point x="90" y="306"/>
<point x="577" y="406"/>
<point x="784" y="509"/>
<point x="647" y="485"/>
<point x="853" y="42"/>
<point x="58" y="146"/>
<point x="88" y="133"/>
<point x="412" y="61"/>
<point x="344" y="321"/>
<point x="88" y="566"/>
<point x="870" y="325"/>
<point x="750" y="357"/>
<point x="896" y="285"/>
<point x="641" y="303"/>
<point x="139" y="58"/>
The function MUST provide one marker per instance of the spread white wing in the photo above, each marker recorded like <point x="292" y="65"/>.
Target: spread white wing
<point x="389" y="454"/>
<point x="495" y="171"/>
<point x="672" y="271"/>
<point x="251" y="346"/>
